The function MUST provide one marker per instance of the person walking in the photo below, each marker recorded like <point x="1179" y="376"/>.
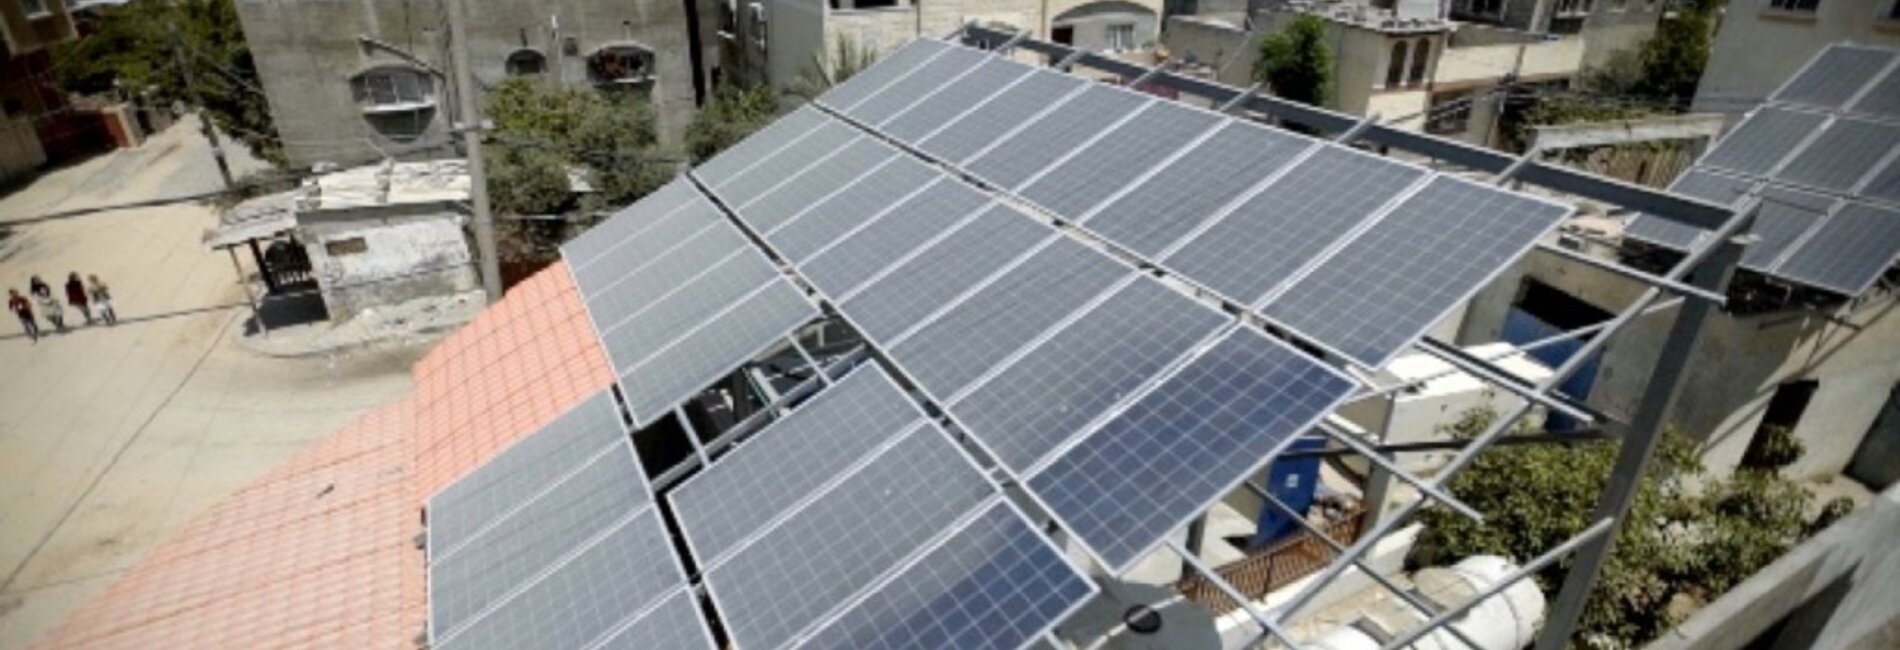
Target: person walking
<point x="37" y="287"/>
<point x="102" y="301"/>
<point x="76" y="295"/>
<point x="49" y="305"/>
<point x="24" y="310"/>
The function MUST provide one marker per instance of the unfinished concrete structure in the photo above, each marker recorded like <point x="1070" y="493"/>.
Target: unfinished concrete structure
<point x="355" y="82"/>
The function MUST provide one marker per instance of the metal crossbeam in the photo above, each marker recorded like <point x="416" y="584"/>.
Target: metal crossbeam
<point x="1515" y="385"/>
<point x="1594" y="532"/>
<point x="1267" y="624"/>
<point x="1673" y="286"/>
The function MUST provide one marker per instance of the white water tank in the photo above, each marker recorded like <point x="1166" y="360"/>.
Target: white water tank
<point x="1507" y="620"/>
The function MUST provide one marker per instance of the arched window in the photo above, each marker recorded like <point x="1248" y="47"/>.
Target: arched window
<point x="621" y="63"/>
<point x="393" y="88"/>
<point x="1421" y="61"/>
<point x="526" y="62"/>
<point x="1395" y="69"/>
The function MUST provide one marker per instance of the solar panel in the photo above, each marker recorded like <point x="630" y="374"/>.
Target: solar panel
<point x="676" y="314"/>
<point x="869" y="80"/>
<point x="1258" y="245"/>
<point x="788" y="461"/>
<point x="1844" y="153"/>
<point x="828" y="138"/>
<point x="1019" y="156"/>
<point x="1849" y="251"/>
<point x="637" y="250"/>
<point x="925" y="78"/>
<point x="829" y="219"/>
<point x="984" y="123"/>
<point x="962" y="343"/>
<point x="1048" y="395"/>
<point x="938" y="109"/>
<point x="1783" y="217"/>
<point x="904" y="227"/>
<point x="815" y="182"/>
<point x="1883" y="98"/>
<point x="664" y="273"/>
<point x="1382" y="290"/>
<point x="743" y="154"/>
<point x="1159" y="211"/>
<point x="1145" y="473"/>
<point x="590" y="593"/>
<point x="507" y="555"/>
<point x="1714" y="188"/>
<point x="677" y="622"/>
<point x="1885" y="184"/>
<point x="629" y="220"/>
<point x="1762" y="140"/>
<point x="842" y="542"/>
<point x="522" y="470"/>
<point x="994" y="585"/>
<point x="906" y="294"/>
<point x="1835" y="76"/>
<point x="686" y="365"/>
<point x="1095" y="172"/>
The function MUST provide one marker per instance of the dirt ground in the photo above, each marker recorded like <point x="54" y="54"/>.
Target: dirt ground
<point x="112" y="438"/>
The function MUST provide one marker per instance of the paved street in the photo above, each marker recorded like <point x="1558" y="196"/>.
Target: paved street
<point x="112" y="438"/>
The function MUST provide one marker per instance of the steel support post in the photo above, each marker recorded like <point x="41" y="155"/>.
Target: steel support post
<point x="692" y="436"/>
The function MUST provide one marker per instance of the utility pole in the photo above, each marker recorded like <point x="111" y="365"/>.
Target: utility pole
<point x="470" y="127"/>
<point x="204" y="123"/>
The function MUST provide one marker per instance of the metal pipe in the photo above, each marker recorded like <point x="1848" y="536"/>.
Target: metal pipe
<point x="1570" y="437"/>
<point x="1515" y="385"/>
<point x="692" y="436"/>
<point x="809" y="361"/>
<point x="1241" y="98"/>
<point x="1675" y="287"/>
<point x="1595" y="531"/>
<point x="1386" y="464"/>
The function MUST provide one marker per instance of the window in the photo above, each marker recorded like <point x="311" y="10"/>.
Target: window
<point x="1064" y="34"/>
<point x="527" y="62"/>
<point x="1804" y="6"/>
<point x="1121" y="37"/>
<point x="342" y="247"/>
<point x="621" y="64"/>
<point x="35" y="8"/>
<point x="1395" y="69"/>
<point x="393" y="89"/>
<point x="1421" y="60"/>
<point x="1450" y="113"/>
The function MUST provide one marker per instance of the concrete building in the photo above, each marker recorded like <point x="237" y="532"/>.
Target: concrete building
<point x="1742" y="71"/>
<point x="28" y="88"/>
<point x="1606" y="27"/>
<point x="354" y="82"/>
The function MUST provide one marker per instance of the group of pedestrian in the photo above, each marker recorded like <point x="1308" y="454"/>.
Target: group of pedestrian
<point x="93" y="300"/>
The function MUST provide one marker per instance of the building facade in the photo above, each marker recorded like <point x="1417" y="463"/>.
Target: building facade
<point x="28" y="88"/>
<point x="1606" y="27"/>
<point x="353" y="82"/>
<point x="1742" y="72"/>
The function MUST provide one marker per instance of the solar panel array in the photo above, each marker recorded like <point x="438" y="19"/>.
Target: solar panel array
<point x="1822" y="150"/>
<point x="556" y="543"/>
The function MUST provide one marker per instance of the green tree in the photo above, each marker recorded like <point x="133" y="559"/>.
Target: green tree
<point x="821" y="73"/>
<point x="733" y="113"/>
<point x="1295" y="62"/>
<point x="1676" y="542"/>
<point x="131" y="50"/>
<point x="1672" y="60"/>
<point x="542" y="132"/>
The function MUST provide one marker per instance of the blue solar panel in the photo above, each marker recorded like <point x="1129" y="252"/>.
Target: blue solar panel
<point x="1843" y="153"/>
<point x="907" y="225"/>
<point x="774" y="169"/>
<point x="870" y="80"/>
<point x="1145" y="473"/>
<point x="1696" y="183"/>
<point x="1848" y="252"/>
<point x="907" y="294"/>
<point x="984" y="123"/>
<point x="1018" y="157"/>
<point x="826" y="221"/>
<point x="1761" y="141"/>
<point x="936" y="110"/>
<point x="637" y="250"/>
<point x="748" y="152"/>
<point x="994" y="585"/>
<point x="663" y="273"/>
<point x="629" y="220"/>
<point x="916" y="84"/>
<point x="1835" y="76"/>
<point x="723" y="343"/>
<point x="675" y="623"/>
<point x="814" y="183"/>
<point x="1121" y="156"/>
<point x="1784" y="216"/>
<point x="1158" y="212"/>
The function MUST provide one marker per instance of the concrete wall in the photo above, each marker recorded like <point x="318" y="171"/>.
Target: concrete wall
<point x="1740" y="360"/>
<point x="1613" y="28"/>
<point x="1742" y="72"/>
<point x="1092" y="21"/>
<point x="308" y="50"/>
<point x="1215" y="41"/>
<point x="1832" y="592"/>
<point x="406" y="257"/>
<point x="1481" y="56"/>
<point x="23" y="33"/>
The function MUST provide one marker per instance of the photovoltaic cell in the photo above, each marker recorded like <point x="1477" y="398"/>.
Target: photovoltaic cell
<point x="936" y="110"/>
<point x="994" y="585"/>
<point x="1835" y="76"/>
<point x="1845" y="152"/>
<point x="780" y="132"/>
<point x="1148" y="471"/>
<point x="1050" y="394"/>
<point x="506" y="556"/>
<point x="1381" y="292"/>
<point x="522" y="470"/>
<point x="928" y="77"/>
<point x="584" y="599"/>
<point x="902" y="229"/>
<point x="1883" y="99"/>
<point x="985" y="123"/>
<point x="1714" y="188"/>
<point x="669" y="318"/>
<point x="1783" y="217"/>
<point x="1885" y="184"/>
<point x="637" y="250"/>
<point x="769" y="172"/>
<point x="839" y="544"/>
<point x="813" y="183"/>
<point x="963" y="343"/>
<point x="1191" y="190"/>
<point x="664" y="273"/>
<point x="1263" y="241"/>
<point x="903" y="297"/>
<point x="629" y="220"/>
<point x="870" y="80"/>
<point x="789" y="460"/>
<point x="831" y="218"/>
<point x="1076" y="185"/>
<point x="676" y="622"/>
<point x="1849" y="252"/>
<point x="1761" y="141"/>
<point x="728" y="340"/>
<point x="1020" y="156"/>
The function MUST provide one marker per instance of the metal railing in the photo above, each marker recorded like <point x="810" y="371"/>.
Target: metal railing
<point x="1271" y="567"/>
